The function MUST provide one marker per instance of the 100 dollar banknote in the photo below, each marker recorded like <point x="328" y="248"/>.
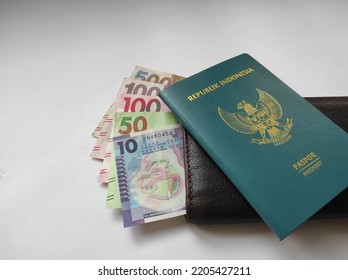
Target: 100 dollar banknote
<point x="133" y="96"/>
<point x="151" y="175"/>
<point x="130" y="86"/>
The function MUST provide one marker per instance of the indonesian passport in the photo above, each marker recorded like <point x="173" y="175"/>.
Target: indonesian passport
<point x="286" y="158"/>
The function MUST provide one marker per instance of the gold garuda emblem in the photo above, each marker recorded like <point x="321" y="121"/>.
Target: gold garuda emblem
<point x="263" y="119"/>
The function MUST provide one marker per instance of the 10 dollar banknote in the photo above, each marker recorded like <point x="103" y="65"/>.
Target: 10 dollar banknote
<point x="151" y="175"/>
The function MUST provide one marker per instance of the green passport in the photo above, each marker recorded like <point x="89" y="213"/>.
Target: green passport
<point x="285" y="157"/>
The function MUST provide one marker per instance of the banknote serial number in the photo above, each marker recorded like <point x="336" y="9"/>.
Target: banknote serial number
<point x="220" y="270"/>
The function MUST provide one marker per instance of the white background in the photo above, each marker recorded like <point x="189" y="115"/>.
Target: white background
<point x="61" y="64"/>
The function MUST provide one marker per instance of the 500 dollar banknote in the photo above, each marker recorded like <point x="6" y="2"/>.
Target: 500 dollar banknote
<point x="149" y="75"/>
<point x="158" y="77"/>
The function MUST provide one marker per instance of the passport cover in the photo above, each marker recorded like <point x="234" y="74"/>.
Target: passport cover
<point x="212" y="199"/>
<point x="285" y="157"/>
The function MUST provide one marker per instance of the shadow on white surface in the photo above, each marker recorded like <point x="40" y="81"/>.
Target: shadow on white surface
<point x="316" y="239"/>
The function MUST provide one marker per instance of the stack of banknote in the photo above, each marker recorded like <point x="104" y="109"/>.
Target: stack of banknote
<point x="140" y="143"/>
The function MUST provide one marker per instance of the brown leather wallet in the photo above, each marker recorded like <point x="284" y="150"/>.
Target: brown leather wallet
<point x="211" y="198"/>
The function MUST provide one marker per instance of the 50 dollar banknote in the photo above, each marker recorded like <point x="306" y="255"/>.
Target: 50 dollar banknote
<point x="130" y="123"/>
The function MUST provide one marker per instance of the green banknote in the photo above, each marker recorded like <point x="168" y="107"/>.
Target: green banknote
<point x="126" y="123"/>
<point x="125" y="103"/>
